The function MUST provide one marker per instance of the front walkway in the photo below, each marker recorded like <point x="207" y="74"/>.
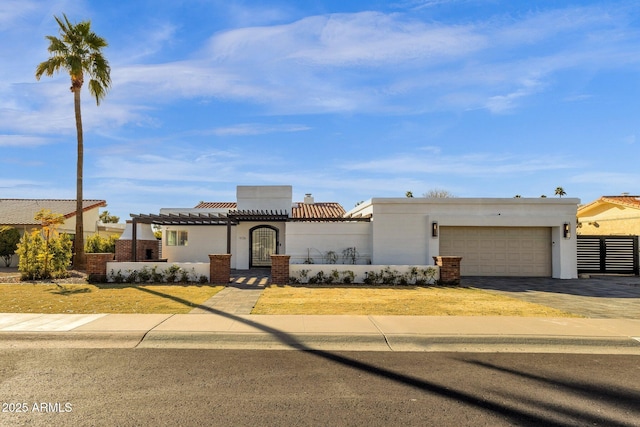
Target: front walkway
<point x="240" y="295"/>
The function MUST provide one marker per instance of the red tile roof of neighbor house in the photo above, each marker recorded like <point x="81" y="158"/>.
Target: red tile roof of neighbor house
<point x="22" y="211"/>
<point x="631" y="201"/>
<point x="318" y="210"/>
<point x="299" y="210"/>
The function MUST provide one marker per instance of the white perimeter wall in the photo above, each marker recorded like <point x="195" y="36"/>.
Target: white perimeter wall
<point x="199" y="269"/>
<point x="320" y="237"/>
<point x="360" y="271"/>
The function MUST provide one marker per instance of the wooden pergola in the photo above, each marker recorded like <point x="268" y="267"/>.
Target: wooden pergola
<point x="228" y="219"/>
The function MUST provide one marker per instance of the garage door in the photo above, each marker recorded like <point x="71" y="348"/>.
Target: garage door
<point x="499" y="251"/>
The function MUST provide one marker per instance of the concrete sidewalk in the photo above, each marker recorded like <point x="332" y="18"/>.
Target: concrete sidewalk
<point x="316" y="332"/>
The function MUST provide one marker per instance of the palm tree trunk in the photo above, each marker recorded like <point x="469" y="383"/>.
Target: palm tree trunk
<point x="79" y="257"/>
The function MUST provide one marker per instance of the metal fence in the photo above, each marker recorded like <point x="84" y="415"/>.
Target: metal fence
<point x="608" y="254"/>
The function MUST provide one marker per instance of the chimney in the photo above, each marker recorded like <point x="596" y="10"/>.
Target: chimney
<point x="308" y="199"/>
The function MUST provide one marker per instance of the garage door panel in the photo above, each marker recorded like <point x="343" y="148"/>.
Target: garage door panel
<point x="499" y="251"/>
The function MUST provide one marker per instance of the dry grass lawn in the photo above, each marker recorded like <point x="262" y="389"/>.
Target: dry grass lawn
<point x="104" y="298"/>
<point x="420" y="301"/>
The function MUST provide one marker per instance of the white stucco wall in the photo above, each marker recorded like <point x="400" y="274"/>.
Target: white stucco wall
<point x="314" y="239"/>
<point x="202" y="240"/>
<point x="402" y="226"/>
<point x="264" y="197"/>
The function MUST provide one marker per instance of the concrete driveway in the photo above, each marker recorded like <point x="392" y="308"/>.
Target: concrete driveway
<point x="605" y="297"/>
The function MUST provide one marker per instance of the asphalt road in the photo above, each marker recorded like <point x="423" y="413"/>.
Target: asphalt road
<point x="280" y="388"/>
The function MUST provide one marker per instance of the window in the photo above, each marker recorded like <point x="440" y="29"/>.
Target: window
<point x="176" y="238"/>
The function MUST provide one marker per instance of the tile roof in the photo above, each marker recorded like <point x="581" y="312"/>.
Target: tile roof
<point x="317" y="210"/>
<point x="216" y="205"/>
<point x="299" y="210"/>
<point x="631" y="201"/>
<point x="22" y="211"/>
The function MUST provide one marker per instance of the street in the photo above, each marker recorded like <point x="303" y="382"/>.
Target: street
<point x="221" y="387"/>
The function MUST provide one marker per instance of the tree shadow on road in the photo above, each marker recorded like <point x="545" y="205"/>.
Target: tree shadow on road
<point x="520" y="416"/>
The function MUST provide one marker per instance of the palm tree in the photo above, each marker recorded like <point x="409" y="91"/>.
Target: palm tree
<point x="560" y="192"/>
<point x="78" y="51"/>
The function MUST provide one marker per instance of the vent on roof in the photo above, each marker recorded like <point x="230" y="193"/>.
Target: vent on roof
<point x="308" y="199"/>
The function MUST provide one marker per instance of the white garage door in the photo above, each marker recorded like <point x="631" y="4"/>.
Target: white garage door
<point x="499" y="251"/>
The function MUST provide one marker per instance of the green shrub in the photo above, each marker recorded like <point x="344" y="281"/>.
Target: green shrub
<point x="97" y="244"/>
<point x="9" y="238"/>
<point x="44" y="253"/>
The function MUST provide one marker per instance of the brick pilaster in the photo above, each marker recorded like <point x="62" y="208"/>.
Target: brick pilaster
<point x="449" y="269"/>
<point x="280" y="269"/>
<point x="97" y="266"/>
<point x="219" y="268"/>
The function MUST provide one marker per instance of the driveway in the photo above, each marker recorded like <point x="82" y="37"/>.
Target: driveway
<point x="607" y="297"/>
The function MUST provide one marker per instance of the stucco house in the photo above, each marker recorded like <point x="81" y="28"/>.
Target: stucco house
<point x="495" y="237"/>
<point x="19" y="213"/>
<point x="610" y="216"/>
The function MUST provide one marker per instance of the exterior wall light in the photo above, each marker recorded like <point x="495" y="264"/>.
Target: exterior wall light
<point x="434" y="229"/>
<point x="566" y="231"/>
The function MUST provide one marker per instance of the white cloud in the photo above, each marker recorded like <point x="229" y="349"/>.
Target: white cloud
<point x="22" y="141"/>
<point x="479" y="164"/>
<point x="257" y="129"/>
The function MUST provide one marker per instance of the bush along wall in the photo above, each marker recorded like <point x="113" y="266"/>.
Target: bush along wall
<point x="413" y="275"/>
<point x="172" y="274"/>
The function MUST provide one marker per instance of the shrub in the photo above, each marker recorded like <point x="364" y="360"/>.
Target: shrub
<point x="9" y="238"/>
<point x="157" y="276"/>
<point x="44" y="253"/>
<point x="97" y="244"/>
<point x="348" y="276"/>
<point x="145" y="274"/>
<point x="171" y="273"/>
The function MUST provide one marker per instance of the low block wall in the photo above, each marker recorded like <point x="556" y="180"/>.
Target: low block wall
<point x="359" y="271"/>
<point x="194" y="268"/>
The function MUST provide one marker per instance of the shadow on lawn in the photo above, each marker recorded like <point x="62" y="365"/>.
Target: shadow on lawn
<point x="529" y="416"/>
<point x="66" y="291"/>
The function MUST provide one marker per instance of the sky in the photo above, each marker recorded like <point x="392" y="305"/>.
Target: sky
<point x="347" y="100"/>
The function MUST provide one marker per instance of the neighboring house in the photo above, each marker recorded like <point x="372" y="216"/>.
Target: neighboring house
<point x="20" y="213"/>
<point x="495" y="237"/>
<point x="610" y="215"/>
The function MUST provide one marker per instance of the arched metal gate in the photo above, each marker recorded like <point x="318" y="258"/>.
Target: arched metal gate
<point x="264" y="243"/>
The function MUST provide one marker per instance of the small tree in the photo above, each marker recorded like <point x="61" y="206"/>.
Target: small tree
<point x="9" y="238"/>
<point x="44" y="253"/>
<point x="560" y="192"/>
<point x="438" y="193"/>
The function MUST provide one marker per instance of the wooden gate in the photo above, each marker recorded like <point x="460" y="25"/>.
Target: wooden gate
<point x="608" y="254"/>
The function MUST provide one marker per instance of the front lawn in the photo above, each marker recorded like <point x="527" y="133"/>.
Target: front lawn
<point x="102" y="298"/>
<point x="397" y="300"/>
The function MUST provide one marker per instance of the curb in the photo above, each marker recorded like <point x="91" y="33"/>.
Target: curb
<point x="397" y="343"/>
<point x="70" y="339"/>
<point x="322" y="342"/>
